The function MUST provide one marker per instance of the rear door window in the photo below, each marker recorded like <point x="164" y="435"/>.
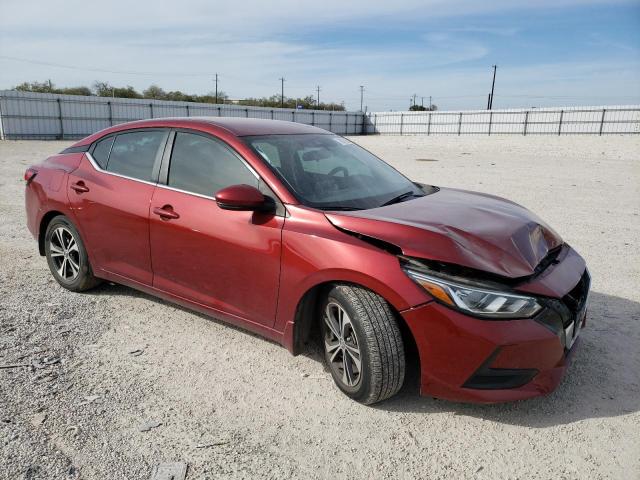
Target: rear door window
<point x="134" y="154"/>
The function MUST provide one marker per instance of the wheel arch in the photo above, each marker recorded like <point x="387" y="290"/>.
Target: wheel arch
<point x="306" y="319"/>
<point x="42" y="229"/>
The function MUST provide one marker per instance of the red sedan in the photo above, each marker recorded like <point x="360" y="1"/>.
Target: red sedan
<point x="300" y="235"/>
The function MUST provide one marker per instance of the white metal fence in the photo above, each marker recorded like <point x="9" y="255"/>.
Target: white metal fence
<point x="535" y="121"/>
<point x="27" y="115"/>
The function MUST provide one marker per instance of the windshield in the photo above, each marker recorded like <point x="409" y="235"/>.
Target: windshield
<point x="332" y="173"/>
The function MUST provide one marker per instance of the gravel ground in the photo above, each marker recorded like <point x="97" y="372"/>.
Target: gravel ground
<point x="104" y="365"/>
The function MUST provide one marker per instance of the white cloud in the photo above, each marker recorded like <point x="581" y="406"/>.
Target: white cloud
<point x="253" y="43"/>
<point x="227" y="15"/>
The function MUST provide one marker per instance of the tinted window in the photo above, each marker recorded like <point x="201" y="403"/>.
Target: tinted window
<point x="202" y="165"/>
<point x="133" y="154"/>
<point x="102" y="150"/>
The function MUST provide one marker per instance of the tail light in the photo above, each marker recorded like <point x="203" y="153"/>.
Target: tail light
<point x="29" y="175"/>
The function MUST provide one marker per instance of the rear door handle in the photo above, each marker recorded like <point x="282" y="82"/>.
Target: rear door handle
<point x="166" y="212"/>
<point x="79" y="187"/>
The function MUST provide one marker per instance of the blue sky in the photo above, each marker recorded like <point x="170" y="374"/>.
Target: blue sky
<point x="549" y="53"/>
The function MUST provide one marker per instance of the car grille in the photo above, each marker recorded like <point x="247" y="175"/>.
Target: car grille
<point x="576" y="299"/>
<point x="560" y="314"/>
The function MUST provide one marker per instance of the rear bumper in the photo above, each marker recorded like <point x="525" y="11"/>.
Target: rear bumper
<point x="472" y="360"/>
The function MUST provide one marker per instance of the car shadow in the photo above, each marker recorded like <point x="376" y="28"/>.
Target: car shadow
<point x="603" y="379"/>
<point x="110" y="288"/>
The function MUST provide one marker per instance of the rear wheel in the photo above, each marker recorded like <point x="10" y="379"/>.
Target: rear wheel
<point x="67" y="257"/>
<point x="362" y="344"/>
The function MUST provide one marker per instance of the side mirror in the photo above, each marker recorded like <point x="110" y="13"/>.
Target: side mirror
<point x="243" y="197"/>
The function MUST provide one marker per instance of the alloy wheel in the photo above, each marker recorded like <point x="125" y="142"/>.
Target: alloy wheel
<point x="341" y="345"/>
<point x="64" y="253"/>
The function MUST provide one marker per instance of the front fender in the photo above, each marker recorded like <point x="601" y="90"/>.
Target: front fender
<point x="314" y="252"/>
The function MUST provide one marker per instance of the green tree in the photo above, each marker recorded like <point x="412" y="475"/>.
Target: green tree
<point x="104" y="89"/>
<point x="274" y="101"/>
<point x="44" y="87"/>
<point x="84" y="91"/>
<point x="211" y="97"/>
<point x="48" y="87"/>
<point x="420" y="108"/>
<point x="155" y="92"/>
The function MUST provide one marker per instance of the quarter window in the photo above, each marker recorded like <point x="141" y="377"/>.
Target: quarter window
<point x="134" y="154"/>
<point x="101" y="151"/>
<point x="203" y="165"/>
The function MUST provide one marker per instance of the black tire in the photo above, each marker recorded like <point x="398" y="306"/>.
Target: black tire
<point x="375" y="333"/>
<point x="77" y="281"/>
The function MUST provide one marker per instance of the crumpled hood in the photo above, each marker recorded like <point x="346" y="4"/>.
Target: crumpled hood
<point x="471" y="229"/>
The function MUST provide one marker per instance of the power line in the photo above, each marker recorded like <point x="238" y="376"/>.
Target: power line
<point x="140" y="73"/>
<point x="103" y="70"/>
<point x="371" y="95"/>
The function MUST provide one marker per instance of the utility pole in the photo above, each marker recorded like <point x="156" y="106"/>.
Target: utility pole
<point x="493" y="84"/>
<point x="361" y="96"/>
<point x="422" y="102"/>
<point x="414" y="99"/>
<point x="282" y="92"/>
<point x="429" y="102"/>
<point x="216" y="88"/>
<point x="318" y="89"/>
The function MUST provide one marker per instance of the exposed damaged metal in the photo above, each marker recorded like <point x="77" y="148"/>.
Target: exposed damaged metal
<point x="473" y="276"/>
<point x="376" y="242"/>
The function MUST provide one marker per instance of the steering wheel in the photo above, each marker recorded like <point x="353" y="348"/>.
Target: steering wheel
<point x="339" y="169"/>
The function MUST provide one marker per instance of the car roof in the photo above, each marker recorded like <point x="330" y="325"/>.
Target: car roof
<point x="258" y="126"/>
<point x="238" y="127"/>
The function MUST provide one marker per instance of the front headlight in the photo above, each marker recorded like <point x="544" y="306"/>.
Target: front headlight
<point x="477" y="301"/>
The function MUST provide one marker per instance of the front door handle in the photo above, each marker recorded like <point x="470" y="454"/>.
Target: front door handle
<point x="79" y="187"/>
<point x="166" y="212"/>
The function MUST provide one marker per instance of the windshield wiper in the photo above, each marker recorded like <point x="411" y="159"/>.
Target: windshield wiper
<point x="401" y="197"/>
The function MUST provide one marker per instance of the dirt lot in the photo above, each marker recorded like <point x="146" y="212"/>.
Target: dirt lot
<point x="233" y="405"/>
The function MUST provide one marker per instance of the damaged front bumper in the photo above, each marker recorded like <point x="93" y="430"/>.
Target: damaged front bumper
<point x="464" y="358"/>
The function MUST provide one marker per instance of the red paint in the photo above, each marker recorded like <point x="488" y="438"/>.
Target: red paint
<point x="223" y="259"/>
<point x="240" y="197"/>
<point x="113" y="219"/>
<point x="452" y="346"/>
<point x="252" y="268"/>
<point x="29" y="174"/>
<point x="465" y="228"/>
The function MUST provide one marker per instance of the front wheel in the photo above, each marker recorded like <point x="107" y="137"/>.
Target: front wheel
<point x="67" y="256"/>
<point x="362" y="344"/>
